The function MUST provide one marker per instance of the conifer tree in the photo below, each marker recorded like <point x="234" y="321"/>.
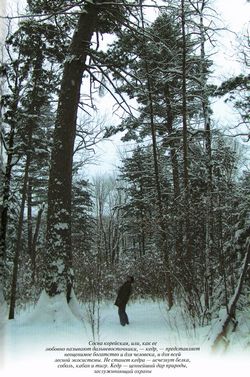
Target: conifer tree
<point x="59" y="273"/>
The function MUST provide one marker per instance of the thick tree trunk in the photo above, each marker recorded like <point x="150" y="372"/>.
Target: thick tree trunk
<point x="59" y="274"/>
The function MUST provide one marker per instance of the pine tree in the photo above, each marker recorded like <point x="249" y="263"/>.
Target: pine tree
<point x="137" y="176"/>
<point x="59" y="274"/>
<point x="35" y="100"/>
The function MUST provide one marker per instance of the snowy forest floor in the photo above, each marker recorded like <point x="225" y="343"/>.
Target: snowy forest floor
<point x="25" y="339"/>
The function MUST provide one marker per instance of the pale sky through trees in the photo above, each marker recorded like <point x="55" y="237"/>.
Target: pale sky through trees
<point x="232" y="14"/>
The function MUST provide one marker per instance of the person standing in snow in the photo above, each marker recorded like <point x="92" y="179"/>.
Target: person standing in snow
<point x="121" y="301"/>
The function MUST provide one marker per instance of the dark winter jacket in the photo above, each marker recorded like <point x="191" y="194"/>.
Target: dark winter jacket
<point x="123" y="294"/>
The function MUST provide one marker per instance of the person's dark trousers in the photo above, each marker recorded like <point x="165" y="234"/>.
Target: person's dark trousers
<point x="123" y="315"/>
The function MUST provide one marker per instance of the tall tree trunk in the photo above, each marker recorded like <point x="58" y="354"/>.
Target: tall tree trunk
<point x="175" y="172"/>
<point x="222" y="259"/>
<point x="18" y="240"/>
<point x="208" y="150"/>
<point x="33" y="110"/>
<point x="186" y="241"/>
<point x="5" y="191"/>
<point x="161" y="215"/>
<point x="2" y="257"/>
<point x="59" y="273"/>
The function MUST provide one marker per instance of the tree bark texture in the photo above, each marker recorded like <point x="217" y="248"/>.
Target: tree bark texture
<point x="59" y="274"/>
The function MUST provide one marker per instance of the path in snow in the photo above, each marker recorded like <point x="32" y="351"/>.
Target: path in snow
<point x="26" y="338"/>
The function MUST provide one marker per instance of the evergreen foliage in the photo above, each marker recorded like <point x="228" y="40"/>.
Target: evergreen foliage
<point x="176" y="216"/>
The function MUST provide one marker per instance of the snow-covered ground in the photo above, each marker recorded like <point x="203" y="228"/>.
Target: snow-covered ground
<point x="29" y="342"/>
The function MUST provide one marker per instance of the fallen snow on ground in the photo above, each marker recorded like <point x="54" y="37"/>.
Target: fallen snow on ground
<point x="51" y="324"/>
